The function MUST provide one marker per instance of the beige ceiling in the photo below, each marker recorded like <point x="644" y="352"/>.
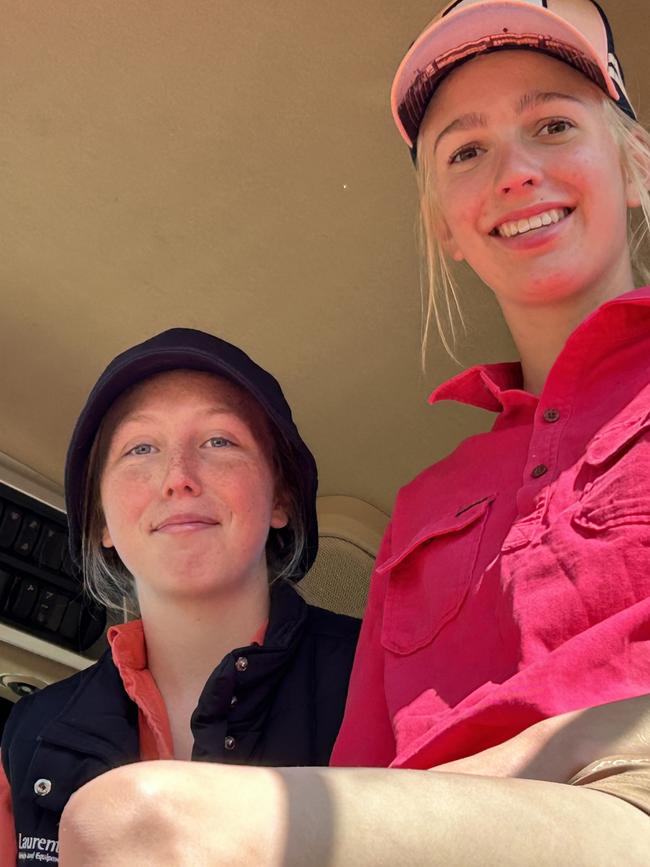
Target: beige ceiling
<point x="230" y="166"/>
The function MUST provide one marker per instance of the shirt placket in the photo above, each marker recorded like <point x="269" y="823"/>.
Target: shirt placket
<point x="541" y="469"/>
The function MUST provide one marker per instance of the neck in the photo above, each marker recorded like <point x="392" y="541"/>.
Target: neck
<point x="541" y="332"/>
<point x="187" y="639"/>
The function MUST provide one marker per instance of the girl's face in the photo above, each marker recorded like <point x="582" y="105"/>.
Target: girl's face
<point x="528" y="179"/>
<point x="187" y="489"/>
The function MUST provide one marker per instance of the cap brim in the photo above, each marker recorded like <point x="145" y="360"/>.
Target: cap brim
<point x="474" y="30"/>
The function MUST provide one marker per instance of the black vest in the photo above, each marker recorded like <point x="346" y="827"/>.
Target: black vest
<point x="289" y="697"/>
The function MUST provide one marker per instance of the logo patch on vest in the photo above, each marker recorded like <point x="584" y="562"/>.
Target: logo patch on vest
<point x="40" y="850"/>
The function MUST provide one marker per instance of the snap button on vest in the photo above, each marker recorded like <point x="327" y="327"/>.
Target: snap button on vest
<point x="241" y="663"/>
<point x="42" y="787"/>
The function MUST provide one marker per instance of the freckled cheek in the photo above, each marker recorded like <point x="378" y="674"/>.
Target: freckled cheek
<point x="251" y="498"/>
<point x="125" y="499"/>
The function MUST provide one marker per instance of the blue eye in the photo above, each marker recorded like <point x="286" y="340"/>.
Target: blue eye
<point x="141" y="449"/>
<point x="218" y="442"/>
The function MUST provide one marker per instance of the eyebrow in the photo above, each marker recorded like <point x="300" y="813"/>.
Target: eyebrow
<point x="527" y="101"/>
<point x="217" y="409"/>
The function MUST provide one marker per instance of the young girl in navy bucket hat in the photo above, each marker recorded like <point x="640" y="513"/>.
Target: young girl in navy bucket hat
<point x="513" y="585"/>
<point x="191" y="502"/>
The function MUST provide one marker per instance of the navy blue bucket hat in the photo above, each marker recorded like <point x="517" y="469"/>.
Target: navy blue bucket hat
<point x="189" y="349"/>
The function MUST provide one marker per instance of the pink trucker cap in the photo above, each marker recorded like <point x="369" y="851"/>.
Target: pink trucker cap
<point x="575" y="31"/>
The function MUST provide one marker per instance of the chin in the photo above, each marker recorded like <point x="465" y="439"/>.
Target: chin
<point x="559" y="286"/>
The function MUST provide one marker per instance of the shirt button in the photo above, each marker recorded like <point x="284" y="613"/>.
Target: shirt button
<point x="230" y="743"/>
<point x="551" y="415"/>
<point x="43" y="787"/>
<point x="241" y="664"/>
<point x="233" y="701"/>
<point x="540" y="470"/>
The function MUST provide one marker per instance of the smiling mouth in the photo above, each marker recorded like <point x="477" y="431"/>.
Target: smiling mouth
<point x="186" y="527"/>
<point x="512" y="228"/>
<point x="185" y="523"/>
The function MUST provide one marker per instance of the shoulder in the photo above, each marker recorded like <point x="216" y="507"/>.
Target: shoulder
<point x="457" y="465"/>
<point x="328" y="624"/>
<point x="291" y="614"/>
<point x="33" y="713"/>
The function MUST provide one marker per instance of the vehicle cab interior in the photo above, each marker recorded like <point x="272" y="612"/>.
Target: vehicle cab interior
<point x="233" y="168"/>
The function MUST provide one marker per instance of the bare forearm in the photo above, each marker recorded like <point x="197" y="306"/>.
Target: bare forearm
<point x="334" y="818"/>
<point x="384" y="817"/>
<point x="557" y="748"/>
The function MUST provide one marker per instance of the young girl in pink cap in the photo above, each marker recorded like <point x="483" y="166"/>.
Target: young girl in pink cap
<point x="513" y="586"/>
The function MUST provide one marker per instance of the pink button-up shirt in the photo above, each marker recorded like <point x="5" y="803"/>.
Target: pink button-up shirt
<point x="513" y="583"/>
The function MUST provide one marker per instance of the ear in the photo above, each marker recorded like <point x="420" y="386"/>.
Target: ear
<point x="449" y="246"/>
<point x="642" y="162"/>
<point x="107" y="542"/>
<point x="451" y="249"/>
<point x="279" y="515"/>
<point x="632" y="197"/>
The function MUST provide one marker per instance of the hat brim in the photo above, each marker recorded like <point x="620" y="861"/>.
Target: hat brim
<point x="478" y="29"/>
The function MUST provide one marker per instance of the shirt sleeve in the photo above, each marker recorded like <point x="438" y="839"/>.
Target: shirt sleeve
<point x="623" y="777"/>
<point x="366" y="737"/>
<point x="8" y="851"/>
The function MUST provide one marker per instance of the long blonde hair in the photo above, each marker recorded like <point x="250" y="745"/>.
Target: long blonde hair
<point x="438" y="284"/>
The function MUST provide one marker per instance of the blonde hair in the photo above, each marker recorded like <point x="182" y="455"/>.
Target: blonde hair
<point x="438" y="285"/>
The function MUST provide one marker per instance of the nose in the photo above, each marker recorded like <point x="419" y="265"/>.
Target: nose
<point x="517" y="171"/>
<point x="181" y="476"/>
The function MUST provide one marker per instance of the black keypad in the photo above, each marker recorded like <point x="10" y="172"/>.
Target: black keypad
<point x="24" y="599"/>
<point x="40" y="588"/>
<point x="6" y="579"/>
<point x="9" y="526"/>
<point x="52" y="548"/>
<point x="50" y="610"/>
<point x="69" y="627"/>
<point x="27" y="536"/>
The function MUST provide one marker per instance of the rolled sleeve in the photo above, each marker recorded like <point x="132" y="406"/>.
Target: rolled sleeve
<point x="624" y="777"/>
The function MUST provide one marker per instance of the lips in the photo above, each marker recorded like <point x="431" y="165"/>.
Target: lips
<point x="185" y="522"/>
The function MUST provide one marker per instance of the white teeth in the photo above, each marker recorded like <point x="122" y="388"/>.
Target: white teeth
<point x="520" y="227"/>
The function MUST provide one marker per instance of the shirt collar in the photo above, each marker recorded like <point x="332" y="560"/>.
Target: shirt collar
<point x="129" y="648"/>
<point x="128" y="645"/>
<point x="496" y="387"/>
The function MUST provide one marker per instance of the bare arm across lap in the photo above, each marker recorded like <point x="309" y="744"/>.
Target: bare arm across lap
<point x="180" y="814"/>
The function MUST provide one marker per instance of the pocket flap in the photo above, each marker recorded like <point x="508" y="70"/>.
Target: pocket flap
<point x="430" y="576"/>
<point x="607" y="443"/>
<point x="450" y="523"/>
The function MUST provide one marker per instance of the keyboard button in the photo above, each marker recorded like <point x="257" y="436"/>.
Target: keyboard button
<point x="51" y="548"/>
<point x="24" y="599"/>
<point x="24" y="544"/>
<point x="50" y="609"/>
<point x="69" y="627"/>
<point x="5" y="583"/>
<point x="9" y="526"/>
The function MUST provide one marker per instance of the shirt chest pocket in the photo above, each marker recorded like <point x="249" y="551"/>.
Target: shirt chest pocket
<point x="429" y="578"/>
<point x="615" y="477"/>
